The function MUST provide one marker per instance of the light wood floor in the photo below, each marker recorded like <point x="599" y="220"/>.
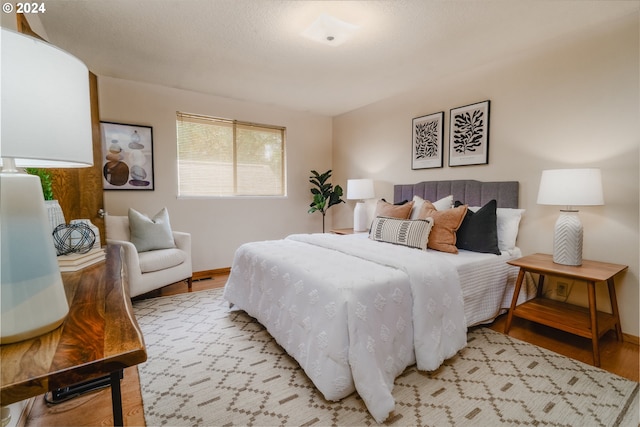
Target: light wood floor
<point x="94" y="409"/>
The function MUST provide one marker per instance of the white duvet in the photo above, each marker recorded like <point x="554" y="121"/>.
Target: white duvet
<point x="352" y="322"/>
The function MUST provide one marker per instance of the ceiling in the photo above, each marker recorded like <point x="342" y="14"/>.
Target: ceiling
<point x="252" y="49"/>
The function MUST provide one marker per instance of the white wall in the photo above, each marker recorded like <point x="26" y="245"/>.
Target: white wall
<point x="572" y="103"/>
<point x="217" y="226"/>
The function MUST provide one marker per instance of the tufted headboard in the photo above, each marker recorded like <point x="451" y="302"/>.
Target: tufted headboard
<point x="473" y="193"/>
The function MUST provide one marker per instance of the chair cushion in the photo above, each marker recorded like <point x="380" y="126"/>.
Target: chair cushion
<point x="161" y="259"/>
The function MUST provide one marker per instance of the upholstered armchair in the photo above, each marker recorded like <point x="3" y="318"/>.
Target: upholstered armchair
<point x="148" y="268"/>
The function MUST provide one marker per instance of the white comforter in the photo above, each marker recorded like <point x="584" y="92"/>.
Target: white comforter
<point x="355" y="321"/>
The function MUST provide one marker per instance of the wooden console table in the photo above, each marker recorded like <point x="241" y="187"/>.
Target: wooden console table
<point x="100" y="337"/>
<point x="585" y="322"/>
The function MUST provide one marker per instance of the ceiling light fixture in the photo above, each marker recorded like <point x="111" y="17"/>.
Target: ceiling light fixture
<point x="329" y="30"/>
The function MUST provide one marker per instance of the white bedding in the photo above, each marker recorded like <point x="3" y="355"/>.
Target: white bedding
<point x="356" y="322"/>
<point x="483" y="278"/>
<point x="487" y="282"/>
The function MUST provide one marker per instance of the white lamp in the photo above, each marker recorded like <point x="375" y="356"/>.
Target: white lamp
<point x="360" y="189"/>
<point x="569" y="187"/>
<point x="46" y="122"/>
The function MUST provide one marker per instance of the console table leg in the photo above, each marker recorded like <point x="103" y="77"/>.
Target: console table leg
<point x="116" y="398"/>
<point x="514" y="301"/>
<point x="614" y="307"/>
<point x="593" y="311"/>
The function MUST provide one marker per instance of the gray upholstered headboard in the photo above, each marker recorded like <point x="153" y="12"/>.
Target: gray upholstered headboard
<point x="473" y="193"/>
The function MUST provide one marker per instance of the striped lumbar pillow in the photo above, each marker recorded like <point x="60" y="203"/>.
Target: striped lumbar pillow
<point x="411" y="233"/>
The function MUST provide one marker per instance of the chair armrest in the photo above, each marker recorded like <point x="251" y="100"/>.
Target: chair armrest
<point x="131" y="259"/>
<point x="183" y="241"/>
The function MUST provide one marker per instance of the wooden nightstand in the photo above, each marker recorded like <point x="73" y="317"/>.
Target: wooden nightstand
<point x="588" y="323"/>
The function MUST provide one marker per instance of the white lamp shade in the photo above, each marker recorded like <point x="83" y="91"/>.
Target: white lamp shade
<point x="46" y="113"/>
<point x="360" y="189"/>
<point x="571" y="187"/>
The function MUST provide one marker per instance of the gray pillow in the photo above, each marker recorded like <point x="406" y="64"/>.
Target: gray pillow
<point x="150" y="234"/>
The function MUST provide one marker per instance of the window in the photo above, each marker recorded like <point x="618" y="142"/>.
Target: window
<point x="220" y="157"/>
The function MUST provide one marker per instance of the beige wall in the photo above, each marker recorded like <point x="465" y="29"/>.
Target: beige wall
<point x="573" y="103"/>
<point x="217" y="226"/>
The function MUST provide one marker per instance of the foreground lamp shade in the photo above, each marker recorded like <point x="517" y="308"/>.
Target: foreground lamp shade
<point x="46" y="122"/>
<point x="570" y="187"/>
<point x="360" y="189"/>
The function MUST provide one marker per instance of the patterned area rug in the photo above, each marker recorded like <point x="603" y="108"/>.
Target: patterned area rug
<point x="209" y="366"/>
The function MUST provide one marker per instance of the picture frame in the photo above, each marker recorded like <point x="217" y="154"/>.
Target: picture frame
<point x="427" y="141"/>
<point x="469" y="134"/>
<point x="127" y="156"/>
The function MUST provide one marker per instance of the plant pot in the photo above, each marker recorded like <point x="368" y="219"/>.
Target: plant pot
<point x="54" y="213"/>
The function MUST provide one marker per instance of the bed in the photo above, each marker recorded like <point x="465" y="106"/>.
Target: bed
<point x="355" y="312"/>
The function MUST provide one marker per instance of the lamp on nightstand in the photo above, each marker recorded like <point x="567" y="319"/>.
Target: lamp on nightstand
<point x="46" y="122"/>
<point x="569" y="187"/>
<point x="360" y="189"/>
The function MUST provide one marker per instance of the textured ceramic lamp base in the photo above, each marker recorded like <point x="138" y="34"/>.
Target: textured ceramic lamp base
<point x="360" y="217"/>
<point x="567" y="239"/>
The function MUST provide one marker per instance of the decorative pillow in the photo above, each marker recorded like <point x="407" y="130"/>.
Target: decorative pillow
<point x="393" y="211"/>
<point x="441" y="205"/>
<point x="479" y="230"/>
<point x="411" y="233"/>
<point x="508" y="223"/>
<point x="445" y="224"/>
<point x="150" y="234"/>
<point x="398" y="203"/>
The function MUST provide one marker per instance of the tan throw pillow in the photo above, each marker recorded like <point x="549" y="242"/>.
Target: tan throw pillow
<point x="393" y="211"/>
<point x="445" y="224"/>
<point x="441" y="205"/>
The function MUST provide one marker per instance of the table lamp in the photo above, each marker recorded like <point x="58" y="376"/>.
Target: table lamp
<point x="569" y="187"/>
<point x="46" y="122"/>
<point x="360" y="189"/>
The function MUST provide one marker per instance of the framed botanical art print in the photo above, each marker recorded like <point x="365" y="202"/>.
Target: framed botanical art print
<point x="426" y="141"/>
<point x="469" y="135"/>
<point x="127" y="156"/>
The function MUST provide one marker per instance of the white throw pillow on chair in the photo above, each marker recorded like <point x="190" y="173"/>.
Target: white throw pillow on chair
<point x="148" y="234"/>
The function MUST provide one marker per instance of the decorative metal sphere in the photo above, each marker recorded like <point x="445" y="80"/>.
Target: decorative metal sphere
<point x="73" y="238"/>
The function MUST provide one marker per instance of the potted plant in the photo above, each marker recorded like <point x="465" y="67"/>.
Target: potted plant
<point x="54" y="211"/>
<point x="325" y="194"/>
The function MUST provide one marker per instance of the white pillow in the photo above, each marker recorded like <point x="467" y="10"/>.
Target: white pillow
<point x="148" y="234"/>
<point x="441" y="205"/>
<point x="508" y="223"/>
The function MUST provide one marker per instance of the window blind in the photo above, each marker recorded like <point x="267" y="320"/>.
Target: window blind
<point x="222" y="158"/>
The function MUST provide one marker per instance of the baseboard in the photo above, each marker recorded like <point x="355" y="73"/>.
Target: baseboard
<point x="209" y="274"/>
<point x="631" y="338"/>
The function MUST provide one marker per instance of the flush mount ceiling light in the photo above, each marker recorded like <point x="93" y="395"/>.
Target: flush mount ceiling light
<point x="329" y="30"/>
